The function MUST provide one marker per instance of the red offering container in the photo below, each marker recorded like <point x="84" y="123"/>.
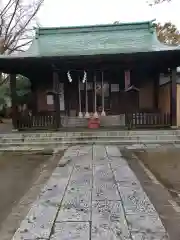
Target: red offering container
<point x="93" y="123"/>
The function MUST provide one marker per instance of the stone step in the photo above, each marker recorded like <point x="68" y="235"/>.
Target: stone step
<point x="24" y="140"/>
<point x="91" y="133"/>
<point x="98" y="141"/>
<point x="30" y="148"/>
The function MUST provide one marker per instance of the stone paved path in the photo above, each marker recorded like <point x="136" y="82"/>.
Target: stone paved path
<point x="95" y="197"/>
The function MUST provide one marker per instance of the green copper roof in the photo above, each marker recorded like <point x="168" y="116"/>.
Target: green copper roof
<point x="95" y="40"/>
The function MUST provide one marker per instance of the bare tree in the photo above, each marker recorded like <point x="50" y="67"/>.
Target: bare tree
<point x="17" y="18"/>
<point x="153" y="2"/>
<point x="160" y="1"/>
<point x="16" y="24"/>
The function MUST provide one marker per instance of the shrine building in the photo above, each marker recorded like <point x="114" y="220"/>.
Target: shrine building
<point x="118" y="73"/>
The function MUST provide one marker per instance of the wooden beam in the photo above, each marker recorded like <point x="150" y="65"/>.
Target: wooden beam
<point x="14" y="100"/>
<point x="34" y="98"/>
<point x="156" y="90"/>
<point x="56" y="98"/>
<point x="173" y="98"/>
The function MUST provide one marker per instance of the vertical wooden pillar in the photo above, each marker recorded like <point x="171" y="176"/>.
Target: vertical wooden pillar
<point x="102" y="89"/>
<point x="35" y="97"/>
<point x="87" y="107"/>
<point x="14" y="100"/>
<point x="173" y="98"/>
<point x="56" y="86"/>
<point x="156" y="91"/>
<point x="95" y="96"/>
<point x="110" y="96"/>
<point x="79" y="95"/>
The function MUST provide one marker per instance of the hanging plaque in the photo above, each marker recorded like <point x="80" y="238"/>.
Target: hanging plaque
<point x="114" y="87"/>
<point x="50" y="100"/>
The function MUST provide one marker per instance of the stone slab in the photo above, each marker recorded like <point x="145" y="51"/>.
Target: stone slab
<point x="104" y="186"/>
<point x="99" y="153"/>
<point x="38" y="223"/>
<point x="76" y="204"/>
<point x="135" y="201"/>
<point x="75" y="207"/>
<point x="77" y="200"/>
<point x="145" y="223"/>
<point x="71" y="231"/>
<point x="148" y="145"/>
<point x="124" y="173"/>
<point x="117" y="163"/>
<point x="177" y="145"/>
<point x="113" y="151"/>
<point x="108" y="221"/>
<point x="149" y="236"/>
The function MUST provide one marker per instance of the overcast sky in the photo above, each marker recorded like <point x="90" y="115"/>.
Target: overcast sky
<point x="82" y="12"/>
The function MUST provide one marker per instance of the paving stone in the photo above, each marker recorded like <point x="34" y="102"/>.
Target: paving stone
<point x="153" y="145"/>
<point x="108" y="221"/>
<point x="133" y="197"/>
<point x="124" y="173"/>
<point x="104" y="186"/>
<point x="54" y="191"/>
<point x="85" y="150"/>
<point x="77" y="200"/>
<point x="145" y="223"/>
<point x="102" y="191"/>
<point x="83" y="180"/>
<point x="38" y="223"/>
<point x="102" y="172"/>
<point x="102" y="161"/>
<point x="135" y="201"/>
<point x="113" y="151"/>
<point x="72" y="151"/>
<point x="70" y="231"/>
<point x="99" y="152"/>
<point x="117" y="162"/>
<point x="177" y="145"/>
<point x="76" y="206"/>
<point x="62" y="172"/>
<point x="39" y="220"/>
<point x="136" y="146"/>
<point x="83" y="160"/>
<point x="149" y="236"/>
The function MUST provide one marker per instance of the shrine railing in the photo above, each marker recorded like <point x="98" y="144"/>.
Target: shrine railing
<point x="48" y="121"/>
<point x="143" y="120"/>
<point x="42" y="120"/>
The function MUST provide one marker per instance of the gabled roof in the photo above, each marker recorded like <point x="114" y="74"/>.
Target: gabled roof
<point x="95" y="40"/>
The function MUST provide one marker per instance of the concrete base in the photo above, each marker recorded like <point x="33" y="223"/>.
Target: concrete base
<point x="14" y="130"/>
<point x="174" y="127"/>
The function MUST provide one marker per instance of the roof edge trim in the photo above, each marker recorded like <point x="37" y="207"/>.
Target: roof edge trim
<point x="94" y="28"/>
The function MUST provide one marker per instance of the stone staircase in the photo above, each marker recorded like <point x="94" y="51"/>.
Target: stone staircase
<point x="57" y="139"/>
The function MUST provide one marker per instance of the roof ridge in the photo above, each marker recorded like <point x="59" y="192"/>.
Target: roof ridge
<point x="95" y="28"/>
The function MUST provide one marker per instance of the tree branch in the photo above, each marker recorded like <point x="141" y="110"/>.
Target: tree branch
<point x="16" y="19"/>
<point x="13" y="15"/>
<point x="19" y="46"/>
